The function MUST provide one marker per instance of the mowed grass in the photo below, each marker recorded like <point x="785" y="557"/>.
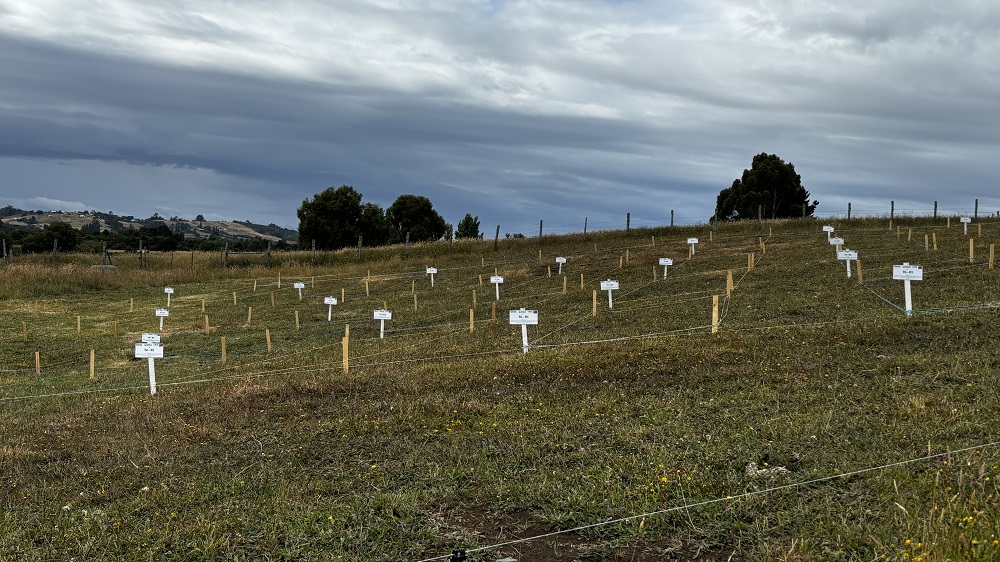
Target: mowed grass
<point x="439" y="438"/>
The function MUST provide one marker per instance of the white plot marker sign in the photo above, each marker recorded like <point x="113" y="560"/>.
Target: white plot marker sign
<point x="848" y="256"/>
<point x="907" y="273"/>
<point x="836" y="241"/>
<point x="169" y="291"/>
<point x="330" y="302"/>
<point x="524" y="318"/>
<point x="497" y="280"/>
<point x="965" y="225"/>
<point x="162" y="313"/>
<point x="666" y="262"/>
<point x="560" y="260"/>
<point x="693" y="242"/>
<point x="609" y="286"/>
<point x="829" y="231"/>
<point x="150" y="350"/>
<point x="431" y="271"/>
<point x="299" y="286"/>
<point x="382" y="316"/>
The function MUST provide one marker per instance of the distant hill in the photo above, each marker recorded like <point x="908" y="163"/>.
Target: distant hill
<point x="94" y="221"/>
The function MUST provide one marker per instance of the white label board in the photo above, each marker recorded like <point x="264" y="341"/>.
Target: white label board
<point x="162" y="312"/>
<point x="847" y="255"/>
<point x="383" y="315"/>
<point x="666" y="261"/>
<point x="609" y="285"/>
<point x="299" y="285"/>
<point x="150" y="338"/>
<point x="965" y="219"/>
<point x="836" y="241"/>
<point x="827" y="229"/>
<point x="146" y="350"/>
<point x="524" y="317"/>
<point x="432" y="270"/>
<point x="907" y="272"/>
<point x="168" y="290"/>
<point x="329" y="300"/>
<point x="496" y="279"/>
<point x="560" y="260"/>
<point x="692" y="240"/>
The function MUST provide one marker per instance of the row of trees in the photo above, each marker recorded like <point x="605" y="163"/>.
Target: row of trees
<point x="63" y="237"/>
<point x="336" y="218"/>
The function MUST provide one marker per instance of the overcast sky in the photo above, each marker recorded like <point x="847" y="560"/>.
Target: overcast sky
<point x="514" y="111"/>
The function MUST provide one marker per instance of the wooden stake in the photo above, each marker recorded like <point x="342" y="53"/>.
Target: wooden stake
<point x="760" y="242"/>
<point x="949" y="222"/>
<point x="91" y="363"/>
<point x="413" y="287"/>
<point x="493" y="316"/>
<point x="934" y="240"/>
<point x="480" y="279"/>
<point x="472" y="320"/>
<point x="78" y="330"/>
<point x="626" y="255"/>
<point x="621" y="261"/>
<point x="203" y="304"/>
<point x="654" y="273"/>
<point x="366" y="288"/>
<point x="972" y="249"/>
<point x="223" y="350"/>
<point x="38" y="363"/>
<point x="729" y="283"/>
<point x="482" y="262"/>
<point x="234" y="297"/>
<point x="414" y="301"/>
<point x="550" y="272"/>
<point x="131" y="305"/>
<point x="255" y="285"/>
<point x="206" y="323"/>
<point x="595" y="303"/>
<point x="249" y="314"/>
<point x="991" y="256"/>
<point x="347" y="330"/>
<point x="296" y="319"/>
<point x="341" y="295"/>
<point x="927" y="243"/>
<point x="750" y="261"/>
<point x="313" y="282"/>
<point x="652" y="241"/>
<point x="564" y="284"/>
<point x="979" y="229"/>
<point x="857" y="264"/>
<point x="267" y="337"/>
<point x="581" y="280"/>
<point x="345" y="344"/>
<point x="715" y="314"/>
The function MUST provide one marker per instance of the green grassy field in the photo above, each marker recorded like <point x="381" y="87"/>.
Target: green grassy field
<point x="628" y="435"/>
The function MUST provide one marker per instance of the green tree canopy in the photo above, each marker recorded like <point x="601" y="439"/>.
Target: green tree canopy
<point x="770" y="185"/>
<point x="375" y="230"/>
<point x="468" y="227"/>
<point x="331" y="219"/>
<point x="414" y="214"/>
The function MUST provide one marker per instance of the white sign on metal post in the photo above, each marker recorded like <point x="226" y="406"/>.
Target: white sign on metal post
<point x="299" y="286"/>
<point x="150" y="351"/>
<point x="431" y="271"/>
<point x="829" y="231"/>
<point x="693" y="242"/>
<point x="907" y="273"/>
<point x="560" y="261"/>
<point x="848" y="256"/>
<point x="169" y="291"/>
<point x="836" y="241"/>
<point x="150" y="338"/>
<point x="965" y="224"/>
<point x="497" y="280"/>
<point x="666" y="262"/>
<point x="382" y="316"/>
<point x="330" y="302"/>
<point x="162" y="313"/>
<point x="524" y="318"/>
<point x="609" y="286"/>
